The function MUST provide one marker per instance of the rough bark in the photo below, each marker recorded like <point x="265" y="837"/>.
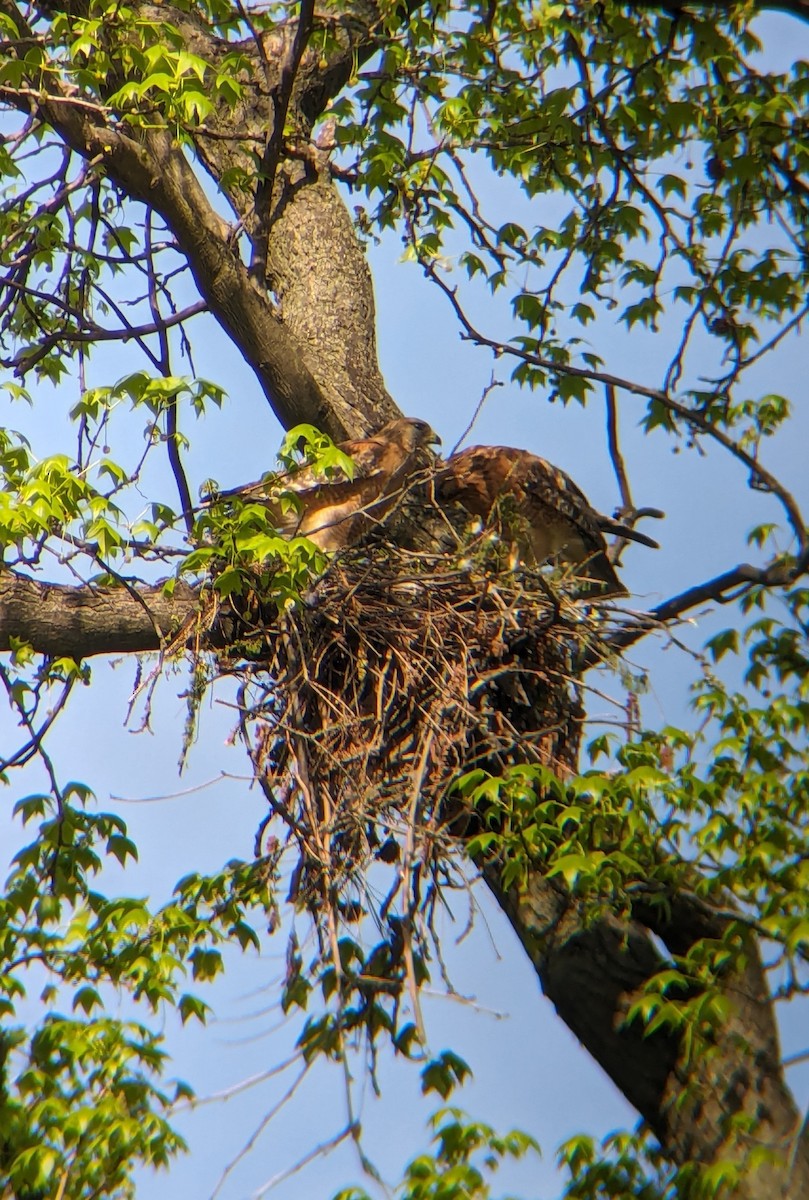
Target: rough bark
<point x="589" y="973"/>
<point x="290" y="353"/>
<point x="592" y="970"/>
<point x="62" y="620"/>
<point x="316" y="266"/>
<point x="311" y="235"/>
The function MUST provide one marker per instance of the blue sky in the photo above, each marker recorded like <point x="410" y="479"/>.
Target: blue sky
<point x="528" y="1069"/>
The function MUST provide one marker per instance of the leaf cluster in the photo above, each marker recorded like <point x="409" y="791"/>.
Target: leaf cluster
<point x="466" y="1156"/>
<point x="81" y="1097"/>
<point x="657" y="147"/>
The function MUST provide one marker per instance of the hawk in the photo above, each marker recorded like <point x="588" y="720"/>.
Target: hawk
<point x="335" y="511"/>
<point x="538" y="508"/>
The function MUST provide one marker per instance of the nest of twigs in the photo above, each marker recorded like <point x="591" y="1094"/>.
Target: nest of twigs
<point x="400" y="672"/>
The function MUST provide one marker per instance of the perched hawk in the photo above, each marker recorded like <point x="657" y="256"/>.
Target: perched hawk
<point x="335" y="511"/>
<point x="538" y="508"/>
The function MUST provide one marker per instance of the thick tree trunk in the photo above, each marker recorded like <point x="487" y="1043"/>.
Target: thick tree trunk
<point x="730" y="1105"/>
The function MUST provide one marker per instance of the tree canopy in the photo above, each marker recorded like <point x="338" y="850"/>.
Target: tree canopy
<point x="611" y="202"/>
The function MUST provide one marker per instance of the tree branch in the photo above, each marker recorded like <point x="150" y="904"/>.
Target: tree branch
<point x="281" y="96"/>
<point x="593" y="969"/>
<point x="61" y="620"/>
<point x="93" y="333"/>
<point x="150" y="167"/>
<point x="797" y="8"/>
<point x="172" y="427"/>
<point x="744" y="576"/>
<point x="692" y="417"/>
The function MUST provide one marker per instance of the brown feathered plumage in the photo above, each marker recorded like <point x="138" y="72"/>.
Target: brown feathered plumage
<point x="335" y="512"/>
<point x="537" y="508"/>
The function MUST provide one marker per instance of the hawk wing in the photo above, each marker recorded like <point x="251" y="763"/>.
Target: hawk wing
<point x="335" y="511"/>
<point x="538" y="507"/>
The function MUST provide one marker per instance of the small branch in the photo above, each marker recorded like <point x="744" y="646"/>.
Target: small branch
<point x="34" y="744"/>
<point x="743" y="576"/>
<point x="237" y="1088"/>
<point x="322" y="1148"/>
<point x="408" y="862"/>
<point x="11" y="94"/>
<point x="487" y="391"/>
<point x="710" y="916"/>
<point x="678" y="8"/>
<point x="692" y="417"/>
<point x="92" y="333"/>
<point x="37" y="740"/>
<point x="257" y="40"/>
<point x="619" y="466"/>
<point x="792" y="1060"/>
<point x="172" y="429"/>
<point x="265" y="1121"/>
<point x="627" y="513"/>
<point x="281" y="96"/>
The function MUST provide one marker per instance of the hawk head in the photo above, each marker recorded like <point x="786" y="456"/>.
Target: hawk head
<point x="410" y="434"/>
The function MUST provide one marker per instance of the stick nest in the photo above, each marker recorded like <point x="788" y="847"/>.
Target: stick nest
<point x="400" y="672"/>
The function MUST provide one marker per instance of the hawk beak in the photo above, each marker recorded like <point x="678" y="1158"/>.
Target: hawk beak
<point x="434" y="440"/>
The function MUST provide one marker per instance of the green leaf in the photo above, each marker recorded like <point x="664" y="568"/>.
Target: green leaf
<point x="444" y="1073"/>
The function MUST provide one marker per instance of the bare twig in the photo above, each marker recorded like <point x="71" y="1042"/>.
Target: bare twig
<point x="34" y="743"/>
<point x="281" y="96"/>
<point x="265" y="1121"/>
<point x="692" y="417"/>
<point x="743" y="576"/>
<point x="172" y="429"/>
<point x="487" y="391"/>
<point x="322" y="1149"/>
<point x="619" y="466"/>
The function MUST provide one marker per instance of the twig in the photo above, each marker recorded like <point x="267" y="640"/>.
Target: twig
<point x="487" y="391"/>
<point x="765" y="480"/>
<point x="10" y="93"/>
<point x="172" y="429"/>
<point x="281" y="96"/>
<point x="619" y="466"/>
<point x="743" y="576"/>
<point x="34" y="743"/>
<point x="262" y="1125"/>
<point x="323" y="1148"/>
<point x="407" y="867"/>
<point x="243" y="1085"/>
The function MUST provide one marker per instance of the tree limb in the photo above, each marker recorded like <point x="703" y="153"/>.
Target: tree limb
<point x="763" y="478"/>
<point x="281" y="96"/>
<point x="777" y="574"/>
<point x="797" y="8"/>
<point x="64" y="621"/>
<point x="149" y="166"/>
<point x="593" y="969"/>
